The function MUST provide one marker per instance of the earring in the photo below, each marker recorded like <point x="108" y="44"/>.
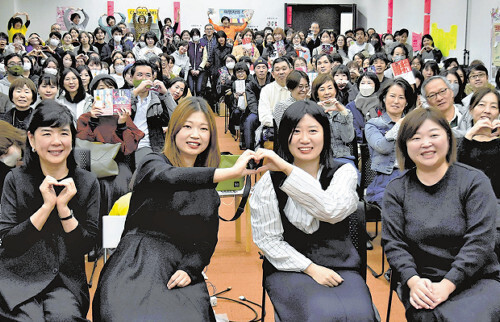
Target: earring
<point x="33" y="149"/>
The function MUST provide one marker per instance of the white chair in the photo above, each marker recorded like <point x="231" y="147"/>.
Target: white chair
<point x="112" y="229"/>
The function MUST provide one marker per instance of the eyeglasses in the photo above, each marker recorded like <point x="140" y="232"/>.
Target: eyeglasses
<point x="477" y="76"/>
<point x="433" y="96"/>
<point x="14" y="64"/>
<point x="302" y="87"/>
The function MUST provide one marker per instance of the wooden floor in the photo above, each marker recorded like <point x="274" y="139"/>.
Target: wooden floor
<point x="232" y="267"/>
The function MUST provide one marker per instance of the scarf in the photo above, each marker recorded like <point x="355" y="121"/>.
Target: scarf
<point x="368" y="105"/>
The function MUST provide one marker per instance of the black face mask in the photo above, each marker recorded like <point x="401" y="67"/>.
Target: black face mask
<point x="259" y="41"/>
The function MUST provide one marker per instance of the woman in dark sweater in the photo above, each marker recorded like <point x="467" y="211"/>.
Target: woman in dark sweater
<point x="171" y="228"/>
<point x="480" y="147"/>
<point x="438" y="227"/>
<point x="48" y="223"/>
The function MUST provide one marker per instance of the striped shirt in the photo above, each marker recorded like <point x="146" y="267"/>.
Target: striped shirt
<point x="307" y="205"/>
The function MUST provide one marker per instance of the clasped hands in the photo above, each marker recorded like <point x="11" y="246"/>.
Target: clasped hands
<point x="424" y="294"/>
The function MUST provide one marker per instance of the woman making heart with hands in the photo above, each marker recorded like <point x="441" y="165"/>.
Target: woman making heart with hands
<point x="49" y="221"/>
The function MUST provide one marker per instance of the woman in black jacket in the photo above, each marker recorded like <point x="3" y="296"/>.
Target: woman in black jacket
<point x="49" y="221"/>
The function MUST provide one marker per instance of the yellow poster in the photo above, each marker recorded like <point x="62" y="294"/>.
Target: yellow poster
<point x="144" y="12"/>
<point x="444" y="40"/>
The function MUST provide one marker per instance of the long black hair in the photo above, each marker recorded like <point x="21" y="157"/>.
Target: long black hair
<point x="49" y="113"/>
<point x="292" y="116"/>
<point x="80" y="94"/>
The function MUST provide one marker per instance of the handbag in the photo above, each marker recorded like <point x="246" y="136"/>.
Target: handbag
<point x="102" y="157"/>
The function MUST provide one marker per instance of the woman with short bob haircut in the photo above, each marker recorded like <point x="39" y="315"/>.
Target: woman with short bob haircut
<point x="171" y="228"/>
<point x="49" y="222"/>
<point x="438" y="227"/>
<point x="299" y="220"/>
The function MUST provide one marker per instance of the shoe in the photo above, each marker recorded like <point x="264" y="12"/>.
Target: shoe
<point x="369" y="245"/>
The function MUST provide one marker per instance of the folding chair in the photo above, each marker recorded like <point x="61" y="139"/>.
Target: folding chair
<point x="373" y="212"/>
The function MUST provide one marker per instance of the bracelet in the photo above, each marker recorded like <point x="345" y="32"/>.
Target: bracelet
<point x="67" y="218"/>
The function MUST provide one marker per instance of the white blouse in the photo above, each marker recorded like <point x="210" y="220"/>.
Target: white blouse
<point x="307" y="205"/>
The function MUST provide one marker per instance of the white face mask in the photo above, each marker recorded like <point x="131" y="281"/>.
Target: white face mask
<point x="388" y="41"/>
<point x="130" y="60"/>
<point x="130" y="38"/>
<point x="366" y="89"/>
<point x="454" y="88"/>
<point x="119" y="69"/>
<point x="51" y="71"/>
<point x="67" y="63"/>
<point x="230" y="65"/>
<point x="117" y="38"/>
<point x="26" y="66"/>
<point x="54" y="42"/>
<point x="196" y="38"/>
<point x="11" y="159"/>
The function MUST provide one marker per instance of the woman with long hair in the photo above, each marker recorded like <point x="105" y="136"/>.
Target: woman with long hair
<point x="171" y="228"/>
<point x="48" y="223"/>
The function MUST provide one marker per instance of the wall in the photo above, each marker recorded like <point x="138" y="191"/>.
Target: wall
<point x="407" y="13"/>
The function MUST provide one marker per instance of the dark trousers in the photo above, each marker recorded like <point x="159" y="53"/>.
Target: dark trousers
<point x="297" y="297"/>
<point x="55" y="303"/>
<point x="250" y="123"/>
<point x="196" y="83"/>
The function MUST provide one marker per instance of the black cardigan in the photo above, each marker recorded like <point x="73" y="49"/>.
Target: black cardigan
<point x="30" y="259"/>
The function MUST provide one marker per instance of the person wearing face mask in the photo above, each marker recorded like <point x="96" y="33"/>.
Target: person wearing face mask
<point x="54" y="44"/>
<point x="12" y="142"/>
<point x="14" y="68"/>
<point x="226" y="76"/>
<point x="456" y="84"/>
<point x="117" y="43"/>
<point x="29" y="68"/>
<point x="22" y="94"/>
<point x="387" y="40"/>
<point x="347" y="92"/>
<point x="198" y="58"/>
<point x="118" y="67"/>
<point x="376" y="43"/>
<point x="366" y="105"/>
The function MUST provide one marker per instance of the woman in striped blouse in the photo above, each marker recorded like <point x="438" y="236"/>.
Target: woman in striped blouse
<point x="298" y="220"/>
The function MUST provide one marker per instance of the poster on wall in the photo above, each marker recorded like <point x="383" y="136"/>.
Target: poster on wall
<point x="272" y="22"/>
<point x="236" y="16"/>
<point x="60" y="17"/>
<point x="495" y="37"/>
<point x="142" y="11"/>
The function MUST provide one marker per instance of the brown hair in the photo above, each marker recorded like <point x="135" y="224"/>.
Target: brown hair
<point x="9" y="135"/>
<point x="410" y="125"/>
<point x="208" y="158"/>
<point x="280" y="31"/>
<point x="19" y="83"/>
<point x="320" y="80"/>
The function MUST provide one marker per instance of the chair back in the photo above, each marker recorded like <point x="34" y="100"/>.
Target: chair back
<point x="112" y="229"/>
<point x="367" y="174"/>
<point x="82" y="158"/>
